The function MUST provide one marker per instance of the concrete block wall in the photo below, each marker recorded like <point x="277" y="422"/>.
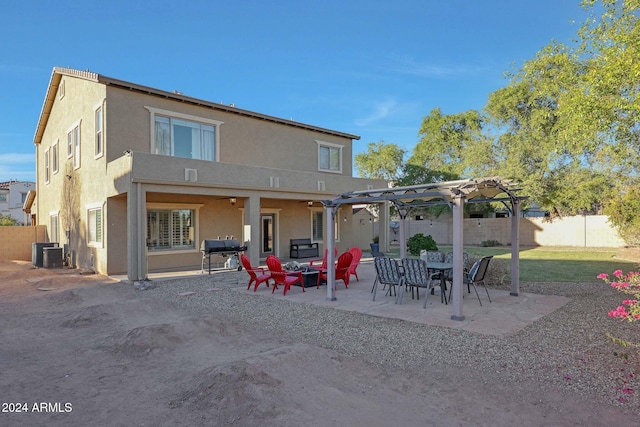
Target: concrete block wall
<point x="16" y="242"/>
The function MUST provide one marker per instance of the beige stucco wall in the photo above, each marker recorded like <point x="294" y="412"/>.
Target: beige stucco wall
<point x="243" y="140"/>
<point x="576" y="231"/>
<point x="16" y="242"/>
<point x="85" y="187"/>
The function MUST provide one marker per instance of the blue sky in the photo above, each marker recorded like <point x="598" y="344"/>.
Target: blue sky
<point x="367" y="67"/>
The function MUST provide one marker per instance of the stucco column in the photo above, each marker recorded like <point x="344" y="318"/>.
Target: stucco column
<point x="458" y="240"/>
<point x="136" y="233"/>
<point x="330" y="217"/>
<point x="251" y="228"/>
<point x="515" y="248"/>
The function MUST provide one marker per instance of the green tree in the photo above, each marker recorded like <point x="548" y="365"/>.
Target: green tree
<point x="453" y="144"/>
<point x="381" y="161"/>
<point x="7" y="220"/>
<point x="623" y="214"/>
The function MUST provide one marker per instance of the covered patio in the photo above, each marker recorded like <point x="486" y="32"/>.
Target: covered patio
<point x="453" y="193"/>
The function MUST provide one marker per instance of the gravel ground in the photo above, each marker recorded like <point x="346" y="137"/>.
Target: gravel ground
<point x="568" y="348"/>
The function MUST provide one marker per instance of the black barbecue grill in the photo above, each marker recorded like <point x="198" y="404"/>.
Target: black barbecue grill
<point x="226" y="248"/>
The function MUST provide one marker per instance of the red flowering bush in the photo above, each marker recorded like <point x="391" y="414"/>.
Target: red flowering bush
<point x="629" y="284"/>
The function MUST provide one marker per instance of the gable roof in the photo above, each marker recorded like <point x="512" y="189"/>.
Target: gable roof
<point x="58" y="73"/>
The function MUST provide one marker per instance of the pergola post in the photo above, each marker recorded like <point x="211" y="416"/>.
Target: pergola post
<point x="457" y="289"/>
<point x="330" y="215"/>
<point x="403" y="234"/>
<point x="515" y="248"/>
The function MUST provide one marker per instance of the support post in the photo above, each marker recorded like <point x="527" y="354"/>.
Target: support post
<point x="403" y="234"/>
<point x="458" y="239"/>
<point x="251" y="228"/>
<point x="515" y="248"/>
<point x="136" y="233"/>
<point x="330" y="215"/>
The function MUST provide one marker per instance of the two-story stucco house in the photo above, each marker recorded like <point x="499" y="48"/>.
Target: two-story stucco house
<point x="13" y="194"/>
<point x="132" y="178"/>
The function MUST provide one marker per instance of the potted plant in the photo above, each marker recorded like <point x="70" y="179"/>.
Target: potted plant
<point x="375" y="245"/>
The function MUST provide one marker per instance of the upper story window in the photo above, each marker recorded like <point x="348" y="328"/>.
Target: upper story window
<point x="183" y="135"/>
<point x="54" y="157"/>
<point x="73" y="144"/>
<point x="61" y="89"/>
<point x="329" y="157"/>
<point x="47" y="172"/>
<point x="99" y="137"/>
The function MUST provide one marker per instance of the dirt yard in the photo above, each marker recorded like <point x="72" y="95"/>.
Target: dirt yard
<point x="80" y="350"/>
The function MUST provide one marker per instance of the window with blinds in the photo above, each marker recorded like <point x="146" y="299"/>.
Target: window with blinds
<point x="95" y="225"/>
<point x="170" y="229"/>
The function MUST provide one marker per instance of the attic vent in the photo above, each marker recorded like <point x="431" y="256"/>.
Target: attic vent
<point x="191" y="175"/>
<point x="274" y="181"/>
<point x="321" y="186"/>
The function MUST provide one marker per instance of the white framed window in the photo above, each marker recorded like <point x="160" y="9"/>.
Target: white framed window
<point x="99" y="136"/>
<point x="54" y="157"/>
<point x="61" y="89"/>
<point x="69" y="144"/>
<point x="73" y="144"/>
<point x="94" y="225"/>
<point x="172" y="227"/>
<point x="3" y="197"/>
<point x="184" y="135"/>
<point x="54" y="235"/>
<point x="46" y="166"/>
<point x="318" y="224"/>
<point x="329" y="157"/>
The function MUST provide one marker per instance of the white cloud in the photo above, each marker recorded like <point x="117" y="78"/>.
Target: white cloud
<point x="381" y="110"/>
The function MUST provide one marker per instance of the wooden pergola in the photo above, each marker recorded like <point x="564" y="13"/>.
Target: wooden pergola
<point x="452" y="193"/>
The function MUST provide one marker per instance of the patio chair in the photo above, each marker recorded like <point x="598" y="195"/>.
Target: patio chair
<point x="465" y="261"/>
<point x="320" y="264"/>
<point x="357" y="255"/>
<point x="282" y="277"/>
<point x="387" y="273"/>
<point x="476" y="276"/>
<point x="256" y="275"/>
<point x="416" y="275"/>
<point x="341" y="271"/>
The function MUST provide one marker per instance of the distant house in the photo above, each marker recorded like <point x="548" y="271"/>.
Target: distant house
<point x="13" y="194"/>
<point x="132" y="178"/>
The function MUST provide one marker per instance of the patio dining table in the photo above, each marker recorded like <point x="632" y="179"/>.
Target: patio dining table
<point x="441" y="268"/>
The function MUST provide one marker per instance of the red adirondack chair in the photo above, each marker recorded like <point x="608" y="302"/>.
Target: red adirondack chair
<point x="256" y="275"/>
<point x="315" y="263"/>
<point x="282" y="277"/>
<point x="342" y="270"/>
<point x="357" y="254"/>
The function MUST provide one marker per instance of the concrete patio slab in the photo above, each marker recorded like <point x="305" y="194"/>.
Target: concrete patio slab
<point x="504" y="315"/>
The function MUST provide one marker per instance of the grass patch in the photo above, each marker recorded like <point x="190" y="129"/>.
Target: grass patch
<point x="554" y="264"/>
